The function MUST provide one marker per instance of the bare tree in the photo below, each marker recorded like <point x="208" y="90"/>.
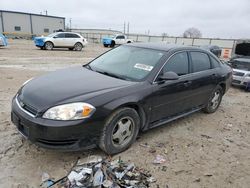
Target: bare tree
<point x="192" y="32"/>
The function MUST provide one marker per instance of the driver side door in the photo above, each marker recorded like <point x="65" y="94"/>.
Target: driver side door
<point x="172" y="97"/>
<point x="59" y="40"/>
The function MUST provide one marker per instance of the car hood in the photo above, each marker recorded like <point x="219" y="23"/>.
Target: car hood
<point x="40" y="38"/>
<point x="61" y="86"/>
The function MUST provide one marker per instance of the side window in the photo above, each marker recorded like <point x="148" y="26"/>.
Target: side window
<point x="61" y="35"/>
<point x="178" y="64"/>
<point x="214" y="62"/>
<point x="200" y="61"/>
<point x="71" y="35"/>
<point x="120" y="37"/>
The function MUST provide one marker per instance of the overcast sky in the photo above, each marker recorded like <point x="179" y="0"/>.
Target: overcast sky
<point x="214" y="18"/>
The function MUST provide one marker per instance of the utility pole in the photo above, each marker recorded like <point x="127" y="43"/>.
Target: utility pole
<point x="128" y="29"/>
<point x="70" y="24"/>
<point x="124" y="28"/>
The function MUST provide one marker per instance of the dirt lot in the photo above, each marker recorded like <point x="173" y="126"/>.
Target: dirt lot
<point x="201" y="150"/>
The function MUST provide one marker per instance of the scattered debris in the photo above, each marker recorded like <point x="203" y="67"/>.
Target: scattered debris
<point x="159" y="159"/>
<point x="152" y="150"/>
<point x="164" y="168"/>
<point x="206" y="136"/>
<point x="145" y="145"/>
<point x="98" y="172"/>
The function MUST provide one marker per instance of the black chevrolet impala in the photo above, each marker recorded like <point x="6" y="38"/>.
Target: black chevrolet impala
<point x="129" y="89"/>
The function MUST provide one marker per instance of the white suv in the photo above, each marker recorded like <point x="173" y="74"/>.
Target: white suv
<point x="72" y="41"/>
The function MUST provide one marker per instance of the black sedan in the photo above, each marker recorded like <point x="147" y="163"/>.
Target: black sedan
<point x="128" y="89"/>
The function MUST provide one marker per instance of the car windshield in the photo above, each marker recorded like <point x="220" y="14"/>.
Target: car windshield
<point x="127" y="62"/>
<point x="241" y="65"/>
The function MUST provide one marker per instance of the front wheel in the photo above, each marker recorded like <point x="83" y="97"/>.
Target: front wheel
<point x="78" y="46"/>
<point x="48" y="45"/>
<point x="214" y="100"/>
<point x="106" y="45"/>
<point x="120" y="131"/>
<point x="112" y="44"/>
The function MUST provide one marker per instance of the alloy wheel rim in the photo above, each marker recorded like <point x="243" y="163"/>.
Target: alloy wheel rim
<point x="48" y="46"/>
<point x="215" y="100"/>
<point x="123" y="132"/>
<point x="78" y="47"/>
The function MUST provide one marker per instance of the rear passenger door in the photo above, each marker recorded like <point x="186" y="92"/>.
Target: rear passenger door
<point x="204" y="77"/>
<point x="71" y="39"/>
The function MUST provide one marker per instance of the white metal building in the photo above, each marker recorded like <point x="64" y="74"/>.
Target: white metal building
<point x="20" y="23"/>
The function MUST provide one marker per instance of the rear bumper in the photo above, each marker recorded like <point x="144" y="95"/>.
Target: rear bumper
<point x="61" y="135"/>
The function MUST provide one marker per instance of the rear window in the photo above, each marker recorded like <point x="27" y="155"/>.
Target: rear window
<point x="243" y="49"/>
<point x="200" y="61"/>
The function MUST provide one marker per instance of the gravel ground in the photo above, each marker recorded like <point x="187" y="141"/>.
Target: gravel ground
<point x="201" y="150"/>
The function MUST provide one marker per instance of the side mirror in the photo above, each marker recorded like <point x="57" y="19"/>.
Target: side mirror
<point x="169" y="76"/>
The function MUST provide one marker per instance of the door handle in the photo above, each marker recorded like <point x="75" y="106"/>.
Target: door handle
<point x="187" y="83"/>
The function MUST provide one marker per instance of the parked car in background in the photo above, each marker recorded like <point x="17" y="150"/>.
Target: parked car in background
<point x="216" y="50"/>
<point x="3" y="40"/>
<point x="241" y="71"/>
<point x="240" y="63"/>
<point x="72" y="41"/>
<point x="132" y="88"/>
<point x="114" y="40"/>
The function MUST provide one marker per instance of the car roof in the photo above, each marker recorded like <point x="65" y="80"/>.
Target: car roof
<point x="163" y="46"/>
<point x="66" y="32"/>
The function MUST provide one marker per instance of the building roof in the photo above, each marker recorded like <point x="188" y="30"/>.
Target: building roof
<point x="16" y="12"/>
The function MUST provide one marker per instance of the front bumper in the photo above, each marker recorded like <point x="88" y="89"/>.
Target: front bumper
<point x="39" y="42"/>
<point x="62" y="135"/>
<point x="240" y="81"/>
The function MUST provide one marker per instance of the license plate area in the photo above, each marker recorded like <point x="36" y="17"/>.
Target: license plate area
<point x="23" y="129"/>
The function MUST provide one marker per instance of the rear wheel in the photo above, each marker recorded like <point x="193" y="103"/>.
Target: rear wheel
<point x="120" y="131"/>
<point x="78" y="46"/>
<point x="48" y="45"/>
<point x="214" y="100"/>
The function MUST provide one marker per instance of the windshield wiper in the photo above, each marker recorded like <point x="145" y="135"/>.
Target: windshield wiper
<point x="111" y="74"/>
<point x="88" y="67"/>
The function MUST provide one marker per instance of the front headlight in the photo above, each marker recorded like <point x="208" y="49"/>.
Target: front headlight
<point x="72" y="111"/>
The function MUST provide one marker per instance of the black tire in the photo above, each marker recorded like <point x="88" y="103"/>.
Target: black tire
<point x="48" y="46"/>
<point x="42" y="48"/>
<point x="105" y="45"/>
<point x="71" y="49"/>
<point x="111" y="145"/>
<point x="214" y="102"/>
<point x="112" y="44"/>
<point x="129" y="42"/>
<point x="78" y="46"/>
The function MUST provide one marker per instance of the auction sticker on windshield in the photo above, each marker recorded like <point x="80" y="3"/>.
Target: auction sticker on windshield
<point x="143" y="67"/>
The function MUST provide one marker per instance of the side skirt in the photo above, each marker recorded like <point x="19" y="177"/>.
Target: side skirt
<point x="167" y="120"/>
